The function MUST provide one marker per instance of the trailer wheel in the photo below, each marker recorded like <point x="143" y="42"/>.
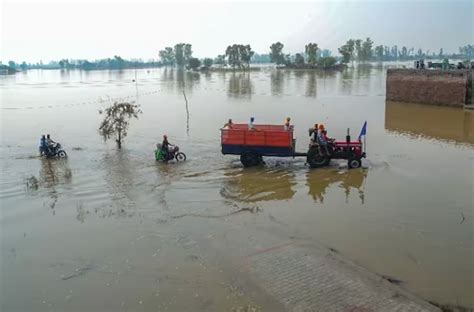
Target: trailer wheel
<point x="250" y="159"/>
<point x="316" y="160"/>
<point x="354" y="163"/>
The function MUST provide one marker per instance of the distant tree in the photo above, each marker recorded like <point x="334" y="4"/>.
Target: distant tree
<point x="441" y="54"/>
<point x="365" y="52"/>
<point x="276" y="54"/>
<point x="327" y="62"/>
<point x="347" y="51"/>
<point x="207" y="62"/>
<point x="239" y="54"/>
<point x="403" y="53"/>
<point x="325" y="53"/>
<point x="387" y="54"/>
<point x="379" y="52"/>
<point x="220" y="60"/>
<point x="179" y="54"/>
<point x="358" y="48"/>
<point x="117" y="120"/>
<point x="311" y="50"/>
<point x="187" y="52"/>
<point x="246" y="54"/>
<point x="167" y="56"/>
<point x="194" y="63"/>
<point x="233" y="55"/>
<point x="394" y="52"/>
<point x="299" y="59"/>
<point x="23" y="66"/>
<point x="419" y="54"/>
<point x="12" y="64"/>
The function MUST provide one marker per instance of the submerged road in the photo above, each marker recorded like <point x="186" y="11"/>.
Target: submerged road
<point x="314" y="278"/>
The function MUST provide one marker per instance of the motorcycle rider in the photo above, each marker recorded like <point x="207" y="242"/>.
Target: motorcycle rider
<point x="49" y="144"/>
<point x="43" y="148"/>
<point x="165" y="147"/>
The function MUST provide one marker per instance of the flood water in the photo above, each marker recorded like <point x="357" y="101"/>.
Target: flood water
<point x="112" y="229"/>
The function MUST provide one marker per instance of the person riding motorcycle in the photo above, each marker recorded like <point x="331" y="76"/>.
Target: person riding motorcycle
<point x="165" y="145"/>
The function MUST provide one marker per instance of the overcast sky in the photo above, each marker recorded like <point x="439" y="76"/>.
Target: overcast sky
<point x="41" y="30"/>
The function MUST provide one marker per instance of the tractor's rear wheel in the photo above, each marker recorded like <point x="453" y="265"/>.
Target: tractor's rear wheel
<point x="316" y="160"/>
<point x="250" y="159"/>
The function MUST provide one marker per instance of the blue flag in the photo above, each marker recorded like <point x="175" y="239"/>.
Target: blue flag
<point x="363" y="131"/>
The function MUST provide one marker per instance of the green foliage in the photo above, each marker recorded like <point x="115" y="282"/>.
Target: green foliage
<point x="366" y="50"/>
<point x="327" y="62"/>
<point x="311" y="50"/>
<point x="167" y="56"/>
<point x="379" y="52"/>
<point x="117" y="120"/>
<point x="238" y="55"/>
<point x="347" y="51"/>
<point x="220" y="60"/>
<point x="299" y="59"/>
<point x="194" y="63"/>
<point x="179" y="54"/>
<point x="276" y="54"/>
<point x="207" y="62"/>
<point x="12" y="64"/>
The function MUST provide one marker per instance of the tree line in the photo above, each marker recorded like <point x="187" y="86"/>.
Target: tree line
<point x="240" y="56"/>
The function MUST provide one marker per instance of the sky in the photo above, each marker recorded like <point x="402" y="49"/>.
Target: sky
<point x="92" y="29"/>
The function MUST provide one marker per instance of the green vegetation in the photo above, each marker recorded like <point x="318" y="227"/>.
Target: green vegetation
<point x="276" y="54"/>
<point x="238" y="55"/>
<point x="117" y="120"/>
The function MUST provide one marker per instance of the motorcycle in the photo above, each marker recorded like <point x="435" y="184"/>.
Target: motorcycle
<point x="173" y="153"/>
<point x="55" y="150"/>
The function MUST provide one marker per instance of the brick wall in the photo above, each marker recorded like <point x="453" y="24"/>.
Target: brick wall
<point x="429" y="86"/>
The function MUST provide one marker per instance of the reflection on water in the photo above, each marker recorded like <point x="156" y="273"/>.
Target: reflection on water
<point x="428" y="121"/>
<point x="240" y="86"/>
<point x="319" y="181"/>
<point x="54" y="172"/>
<point x="120" y="179"/>
<point x="258" y="184"/>
<point x="277" y="82"/>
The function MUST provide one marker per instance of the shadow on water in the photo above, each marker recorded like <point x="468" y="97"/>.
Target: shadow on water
<point x="252" y="185"/>
<point x="319" y="181"/>
<point x="428" y="121"/>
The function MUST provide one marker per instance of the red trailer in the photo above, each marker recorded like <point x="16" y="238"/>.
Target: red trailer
<point x="277" y="140"/>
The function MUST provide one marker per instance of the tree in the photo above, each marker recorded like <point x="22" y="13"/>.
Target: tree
<point x="276" y="54"/>
<point x="12" y="64"/>
<point x="188" y="52"/>
<point x="23" y="66"/>
<point x="441" y="53"/>
<point x="246" y="54"/>
<point x="117" y="120"/>
<point x="179" y="54"/>
<point x="327" y="62"/>
<point x="220" y="60"/>
<point x="379" y="52"/>
<point x="299" y="59"/>
<point x="207" y="62"/>
<point x="420" y="53"/>
<point x="403" y="53"/>
<point x="358" y="48"/>
<point x="194" y="63"/>
<point x="311" y="50"/>
<point x="365" y="52"/>
<point x="238" y="54"/>
<point x="347" y="51"/>
<point x="167" y="56"/>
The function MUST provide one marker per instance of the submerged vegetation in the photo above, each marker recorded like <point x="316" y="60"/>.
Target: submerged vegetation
<point x="117" y="119"/>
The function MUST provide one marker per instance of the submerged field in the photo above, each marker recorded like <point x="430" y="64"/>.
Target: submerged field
<point x="113" y="229"/>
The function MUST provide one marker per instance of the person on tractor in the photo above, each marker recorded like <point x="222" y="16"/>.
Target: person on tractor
<point x="251" y="125"/>
<point x="229" y="124"/>
<point x="314" y="132"/>
<point x="287" y="124"/>
<point x="322" y="140"/>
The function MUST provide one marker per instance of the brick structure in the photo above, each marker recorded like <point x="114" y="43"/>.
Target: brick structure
<point x="438" y="87"/>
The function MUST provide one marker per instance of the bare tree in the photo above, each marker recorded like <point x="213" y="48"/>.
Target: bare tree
<point x="117" y="119"/>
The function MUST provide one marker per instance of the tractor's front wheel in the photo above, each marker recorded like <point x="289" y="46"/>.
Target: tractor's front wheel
<point x="250" y="159"/>
<point x="354" y="163"/>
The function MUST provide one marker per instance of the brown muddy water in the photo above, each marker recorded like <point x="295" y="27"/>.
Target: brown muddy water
<point x="112" y="229"/>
